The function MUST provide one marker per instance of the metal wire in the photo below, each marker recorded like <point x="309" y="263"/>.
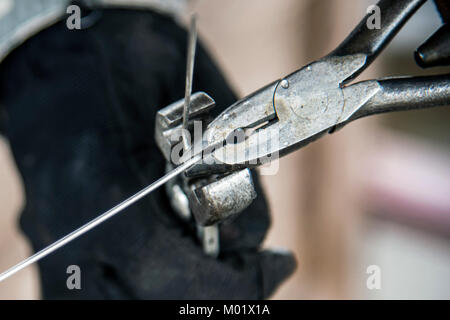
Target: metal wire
<point x="192" y="43"/>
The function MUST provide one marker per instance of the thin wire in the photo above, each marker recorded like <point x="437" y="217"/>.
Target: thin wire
<point x="192" y="44"/>
<point x="103" y="217"/>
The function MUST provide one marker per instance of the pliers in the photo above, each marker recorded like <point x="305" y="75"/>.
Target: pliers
<point x="288" y="113"/>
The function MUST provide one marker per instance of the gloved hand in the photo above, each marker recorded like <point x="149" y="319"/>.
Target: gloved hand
<point x="81" y="109"/>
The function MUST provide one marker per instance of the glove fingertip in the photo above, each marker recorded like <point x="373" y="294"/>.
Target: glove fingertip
<point x="276" y="267"/>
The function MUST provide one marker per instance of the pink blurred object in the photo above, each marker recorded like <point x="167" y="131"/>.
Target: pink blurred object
<point x="409" y="179"/>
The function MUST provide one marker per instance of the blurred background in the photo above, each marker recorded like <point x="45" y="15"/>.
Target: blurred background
<point x="375" y="193"/>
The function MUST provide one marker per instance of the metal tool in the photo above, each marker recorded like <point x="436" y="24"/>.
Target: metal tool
<point x="211" y="199"/>
<point x="316" y="99"/>
<point x="435" y="51"/>
<point x="192" y="44"/>
<point x="202" y="201"/>
<point x="300" y="108"/>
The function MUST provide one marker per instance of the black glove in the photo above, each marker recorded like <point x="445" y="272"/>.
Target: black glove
<point x="81" y="109"/>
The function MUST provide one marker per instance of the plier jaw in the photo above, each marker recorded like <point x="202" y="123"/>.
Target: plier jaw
<point x="249" y="112"/>
<point x="230" y="140"/>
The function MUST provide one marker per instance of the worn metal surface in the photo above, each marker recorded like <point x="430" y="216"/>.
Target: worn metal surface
<point x="435" y="51"/>
<point x="399" y="94"/>
<point x="169" y="120"/>
<point x="209" y="236"/>
<point x="222" y="199"/>
<point x="211" y="199"/>
<point x="313" y="102"/>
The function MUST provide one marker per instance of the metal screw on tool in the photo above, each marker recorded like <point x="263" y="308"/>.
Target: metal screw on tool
<point x="284" y="84"/>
